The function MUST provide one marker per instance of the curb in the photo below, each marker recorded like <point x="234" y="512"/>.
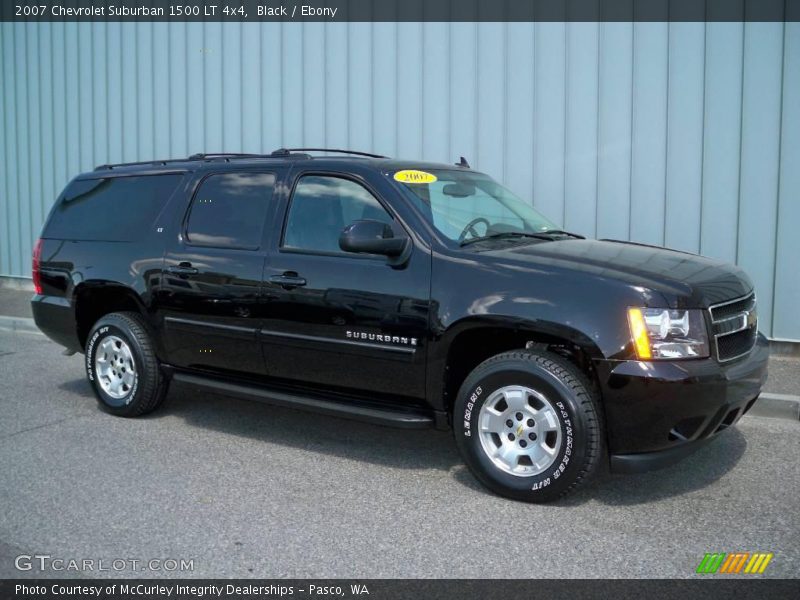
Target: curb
<point x="19" y="324"/>
<point x="22" y="284"/>
<point x="779" y="406"/>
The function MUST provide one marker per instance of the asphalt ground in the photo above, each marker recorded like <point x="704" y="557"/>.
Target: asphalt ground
<point x="243" y="489"/>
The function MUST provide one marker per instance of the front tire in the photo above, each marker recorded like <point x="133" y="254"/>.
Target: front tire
<point x="122" y="366"/>
<point x="528" y="425"/>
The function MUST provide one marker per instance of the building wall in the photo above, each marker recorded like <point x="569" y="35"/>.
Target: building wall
<point x="681" y="134"/>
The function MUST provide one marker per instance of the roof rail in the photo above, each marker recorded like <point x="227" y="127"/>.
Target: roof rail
<point x="205" y="156"/>
<point x="286" y="151"/>
<point x="279" y="153"/>
<point x="110" y="166"/>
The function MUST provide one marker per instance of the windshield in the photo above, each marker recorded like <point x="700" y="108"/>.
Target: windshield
<point x="465" y="205"/>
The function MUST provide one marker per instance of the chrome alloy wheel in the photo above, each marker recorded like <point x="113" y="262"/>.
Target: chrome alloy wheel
<point x="520" y="431"/>
<point x="114" y="366"/>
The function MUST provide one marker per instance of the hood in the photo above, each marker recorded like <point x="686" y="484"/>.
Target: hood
<point x="687" y="279"/>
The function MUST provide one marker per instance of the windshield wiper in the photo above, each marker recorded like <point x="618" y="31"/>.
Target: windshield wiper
<point x="539" y="235"/>
<point x="503" y="234"/>
<point x="560" y="232"/>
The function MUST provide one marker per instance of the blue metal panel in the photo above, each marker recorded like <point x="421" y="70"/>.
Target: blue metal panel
<point x="196" y="51"/>
<point x="520" y="113"/>
<point x="491" y="91"/>
<point x="23" y="162"/>
<point x="313" y="75"/>
<point x="409" y="93"/>
<point x="435" y="90"/>
<point x="463" y="91"/>
<point x="580" y="178"/>
<point x="384" y="114"/>
<point x="614" y="130"/>
<point x="684" y="133"/>
<point x="6" y="107"/>
<point x="128" y="93"/>
<point x="99" y="91"/>
<point x="335" y="108"/>
<point x="722" y="133"/>
<point x="113" y="86"/>
<point x="684" y="136"/>
<point x="177" y="90"/>
<point x="758" y="191"/>
<point x="786" y="322"/>
<point x="251" y="114"/>
<point x="549" y="60"/>
<point x="271" y="88"/>
<point x="213" y="86"/>
<point x="649" y="131"/>
<point x="359" y="73"/>
<point x="232" y="82"/>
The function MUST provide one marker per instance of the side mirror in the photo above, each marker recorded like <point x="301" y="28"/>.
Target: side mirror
<point x="372" y="237"/>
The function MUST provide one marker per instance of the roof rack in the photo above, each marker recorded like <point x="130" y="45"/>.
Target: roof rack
<point x="227" y="156"/>
<point x="286" y="151"/>
<point x="108" y="167"/>
<point x="209" y="155"/>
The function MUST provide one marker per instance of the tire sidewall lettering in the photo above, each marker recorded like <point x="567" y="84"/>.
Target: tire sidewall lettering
<point x="469" y="409"/>
<point x="91" y="349"/>
<point x="569" y="443"/>
<point x="469" y="423"/>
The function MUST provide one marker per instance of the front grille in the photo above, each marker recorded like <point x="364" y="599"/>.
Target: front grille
<point x="736" y="344"/>
<point x="730" y="309"/>
<point x="735" y="327"/>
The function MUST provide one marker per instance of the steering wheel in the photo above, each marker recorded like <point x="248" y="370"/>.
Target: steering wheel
<point x="470" y="228"/>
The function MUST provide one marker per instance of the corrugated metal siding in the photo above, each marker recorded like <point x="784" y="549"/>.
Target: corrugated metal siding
<point x="684" y="134"/>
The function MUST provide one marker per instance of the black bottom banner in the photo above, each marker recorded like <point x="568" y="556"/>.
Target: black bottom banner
<point x="390" y="589"/>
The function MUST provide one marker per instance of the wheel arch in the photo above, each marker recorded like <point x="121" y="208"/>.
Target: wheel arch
<point x="469" y="342"/>
<point x="94" y="299"/>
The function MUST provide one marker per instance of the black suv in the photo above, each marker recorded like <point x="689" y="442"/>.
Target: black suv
<point x="400" y="293"/>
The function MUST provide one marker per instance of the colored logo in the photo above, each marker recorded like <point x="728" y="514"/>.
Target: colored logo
<point x="735" y="562"/>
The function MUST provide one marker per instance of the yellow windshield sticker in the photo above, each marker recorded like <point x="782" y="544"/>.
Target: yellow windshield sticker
<point x="413" y="176"/>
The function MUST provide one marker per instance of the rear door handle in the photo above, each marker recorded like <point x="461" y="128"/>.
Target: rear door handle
<point x="288" y="280"/>
<point x="183" y="268"/>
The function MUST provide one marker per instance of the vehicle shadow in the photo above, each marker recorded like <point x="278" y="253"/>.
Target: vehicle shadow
<point x="345" y="438"/>
<point x="421" y="449"/>
<point x="697" y="471"/>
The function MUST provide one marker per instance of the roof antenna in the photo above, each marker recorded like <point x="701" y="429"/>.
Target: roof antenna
<point x="463" y="163"/>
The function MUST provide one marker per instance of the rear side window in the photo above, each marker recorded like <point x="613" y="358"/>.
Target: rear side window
<point x="112" y="209"/>
<point x="229" y="209"/>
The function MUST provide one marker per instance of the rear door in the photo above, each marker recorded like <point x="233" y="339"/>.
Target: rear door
<point x="211" y="287"/>
<point x="342" y="320"/>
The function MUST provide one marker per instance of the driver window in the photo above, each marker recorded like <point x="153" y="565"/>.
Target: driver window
<point x="322" y="206"/>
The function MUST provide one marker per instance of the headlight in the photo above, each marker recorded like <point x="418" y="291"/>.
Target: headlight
<point x="661" y="333"/>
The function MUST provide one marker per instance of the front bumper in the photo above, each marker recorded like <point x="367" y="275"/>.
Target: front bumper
<point x="658" y="412"/>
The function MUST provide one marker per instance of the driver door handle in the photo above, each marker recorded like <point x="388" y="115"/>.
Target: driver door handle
<point x="288" y="280"/>
<point x="184" y="268"/>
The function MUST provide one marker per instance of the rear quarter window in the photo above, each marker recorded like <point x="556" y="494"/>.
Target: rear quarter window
<point x="111" y="208"/>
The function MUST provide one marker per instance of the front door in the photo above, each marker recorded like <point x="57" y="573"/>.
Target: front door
<point x="211" y="287"/>
<point x="337" y="319"/>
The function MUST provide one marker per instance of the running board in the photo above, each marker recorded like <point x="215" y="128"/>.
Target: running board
<point x="359" y="412"/>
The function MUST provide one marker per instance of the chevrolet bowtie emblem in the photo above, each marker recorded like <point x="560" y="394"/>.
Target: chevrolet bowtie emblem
<point x="520" y="430"/>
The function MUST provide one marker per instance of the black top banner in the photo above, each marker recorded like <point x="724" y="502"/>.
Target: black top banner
<point x="400" y="10"/>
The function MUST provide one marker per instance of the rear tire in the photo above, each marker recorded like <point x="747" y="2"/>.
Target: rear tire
<point x="528" y="425"/>
<point x="122" y="366"/>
